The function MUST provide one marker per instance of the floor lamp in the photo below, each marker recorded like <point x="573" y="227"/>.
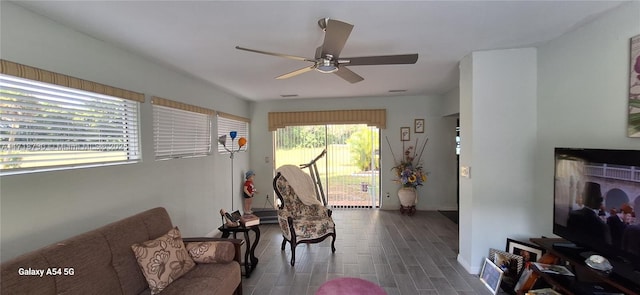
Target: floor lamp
<point x="241" y="142"/>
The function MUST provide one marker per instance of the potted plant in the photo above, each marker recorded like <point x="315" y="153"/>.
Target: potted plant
<point x="409" y="174"/>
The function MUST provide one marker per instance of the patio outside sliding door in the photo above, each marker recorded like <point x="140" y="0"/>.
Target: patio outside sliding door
<point x="349" y="173"/>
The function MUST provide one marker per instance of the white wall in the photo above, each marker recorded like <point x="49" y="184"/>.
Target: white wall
<point x="451" y="103"/>
<point x="497" y="143"/>
<point x="465" y="223"/>
<point x="583" y="96"/>
<point x="439" y="157"/>
<point x="42" y="208"/>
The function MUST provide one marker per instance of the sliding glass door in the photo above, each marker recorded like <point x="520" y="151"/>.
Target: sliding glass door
<point x="349" y="172"/>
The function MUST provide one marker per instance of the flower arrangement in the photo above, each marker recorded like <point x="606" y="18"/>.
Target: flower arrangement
<point x="409" y="170"/>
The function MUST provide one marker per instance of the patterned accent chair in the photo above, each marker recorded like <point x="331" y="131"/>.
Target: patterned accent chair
<point x="301" y="223"/>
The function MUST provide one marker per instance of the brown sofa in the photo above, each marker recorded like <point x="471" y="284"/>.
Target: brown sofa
<point x="101" y="261"/>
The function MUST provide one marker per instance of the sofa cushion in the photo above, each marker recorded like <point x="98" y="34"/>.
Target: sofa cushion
<point x="163" y="260"/>
<point x="211" y="278"/>
<point x="16" y="275"/>
<point x="211" y="252"/>
<point x="90" y="258"/>
<point x="126" y="232"/>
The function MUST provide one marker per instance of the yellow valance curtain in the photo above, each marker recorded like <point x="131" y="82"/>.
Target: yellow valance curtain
<point x="181" y="106"/>
<point x="375" y="117"/>
<point x="233" y="117"/>
<point x="36" y="74"/>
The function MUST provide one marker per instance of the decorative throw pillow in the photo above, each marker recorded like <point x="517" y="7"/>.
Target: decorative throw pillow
<point x="211" y="252"/>
<point x="163" y="260"/>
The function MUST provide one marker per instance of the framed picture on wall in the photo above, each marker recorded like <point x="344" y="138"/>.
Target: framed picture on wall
<point x="405" y="133"/>
<point x="419" y="125"/>
<point x="634" y="89"/>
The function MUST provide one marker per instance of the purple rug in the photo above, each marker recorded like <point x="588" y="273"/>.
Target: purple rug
<point x="350" y="286"/>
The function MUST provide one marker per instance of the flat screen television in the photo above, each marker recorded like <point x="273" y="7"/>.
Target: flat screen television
<point x="597" y="204"/>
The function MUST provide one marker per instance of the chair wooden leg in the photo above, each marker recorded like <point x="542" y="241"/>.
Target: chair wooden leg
<point x="293" y="254"/>
<point x="284" y="242"/>
<point x="333" y="243"/>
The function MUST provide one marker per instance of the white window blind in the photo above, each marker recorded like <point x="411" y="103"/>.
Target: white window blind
<point x="46" y="126"/>
<point x="228" y="123"/>
<point x="179" y="133"/>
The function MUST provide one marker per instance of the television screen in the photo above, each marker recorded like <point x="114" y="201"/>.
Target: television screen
<point x="596" y="199"/>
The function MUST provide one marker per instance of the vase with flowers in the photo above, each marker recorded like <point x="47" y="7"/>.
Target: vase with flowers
<point x="409" y="174"/>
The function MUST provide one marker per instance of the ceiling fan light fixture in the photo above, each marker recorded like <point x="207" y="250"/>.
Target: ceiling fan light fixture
<point x="326" y="69"/>
<point x="325" y="65"/>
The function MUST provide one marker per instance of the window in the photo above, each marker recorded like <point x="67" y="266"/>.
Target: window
<point x="45" y="126"/>
<point x="180" y="130"/>
<point x="228" y="123"/>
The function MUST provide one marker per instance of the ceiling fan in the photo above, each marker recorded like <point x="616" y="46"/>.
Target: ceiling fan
<point x="327" y="57"/>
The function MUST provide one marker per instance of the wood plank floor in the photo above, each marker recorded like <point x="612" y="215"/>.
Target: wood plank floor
<point x="403" y="254"/>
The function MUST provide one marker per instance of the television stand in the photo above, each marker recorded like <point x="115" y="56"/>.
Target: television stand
<point x="566" y="246"/>
<point x="586" y="280"/>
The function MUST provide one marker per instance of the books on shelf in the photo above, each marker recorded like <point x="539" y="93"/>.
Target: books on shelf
<point x="249" y="220"/>
<point x="553" y="269"/>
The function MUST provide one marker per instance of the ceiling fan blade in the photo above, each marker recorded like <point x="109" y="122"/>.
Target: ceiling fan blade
<point x="319" y="52"/>
<point x="379" y="60"/>
<point x="335" y="37"/>
<point x="296" y="72"/>
<point x="348" y="75"/>
<point x="275" y="54"/>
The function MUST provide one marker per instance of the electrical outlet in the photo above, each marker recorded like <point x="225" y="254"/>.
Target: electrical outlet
<point x="387" y="195"/>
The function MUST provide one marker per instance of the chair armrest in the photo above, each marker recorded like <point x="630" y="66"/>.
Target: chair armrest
<point x="237" y="243"/>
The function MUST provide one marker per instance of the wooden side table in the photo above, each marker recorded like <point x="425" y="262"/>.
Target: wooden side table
<point x="250" y="259"/>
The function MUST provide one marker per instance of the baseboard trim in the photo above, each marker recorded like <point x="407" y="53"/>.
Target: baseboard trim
<point x="467" y="266"/>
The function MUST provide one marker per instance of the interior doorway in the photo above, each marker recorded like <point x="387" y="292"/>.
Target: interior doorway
<point x="350" y="171"/>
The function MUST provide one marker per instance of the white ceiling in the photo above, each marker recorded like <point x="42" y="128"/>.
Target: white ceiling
<point x="199" y="38"/>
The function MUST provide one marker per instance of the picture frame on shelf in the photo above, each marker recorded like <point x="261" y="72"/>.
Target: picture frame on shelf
<point x="525" y="281"/>
<point x="491" y="276"/>
<point x="418" y="125"/>
<point x="529" y="252"/>
<point x="405" y="133"/>
<point x="510" y="263"/>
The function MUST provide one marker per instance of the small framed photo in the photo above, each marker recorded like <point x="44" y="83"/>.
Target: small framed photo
<point x="491" y="275"/>
<point x="418" y="125"/>
<point x="510" y="264"/>
<point x="529" y="252"/>
<point x="405" y="133"/>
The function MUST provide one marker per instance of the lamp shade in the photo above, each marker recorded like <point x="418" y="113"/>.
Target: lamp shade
<point x="242" y="141"/>
<point x="233" y="134"/>
<point x="223" y="140"/>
